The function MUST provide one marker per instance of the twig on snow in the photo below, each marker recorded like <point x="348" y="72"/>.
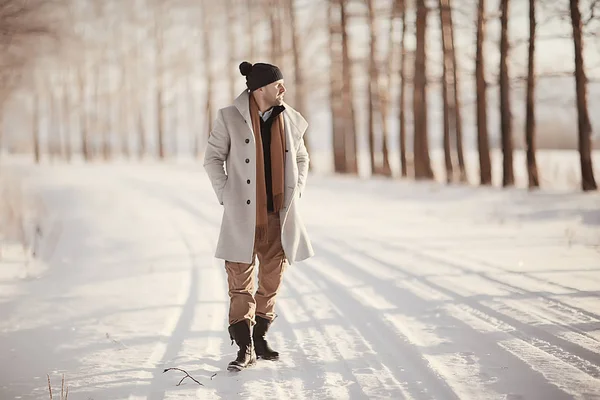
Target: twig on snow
<point x="186" y="375"/>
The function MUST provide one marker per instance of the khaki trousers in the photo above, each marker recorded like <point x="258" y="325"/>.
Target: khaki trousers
<point x="244" y="302"/>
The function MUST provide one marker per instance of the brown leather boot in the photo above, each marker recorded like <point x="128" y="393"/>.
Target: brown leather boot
<point x="240" y="333"/>
<point x="263" y="350"/>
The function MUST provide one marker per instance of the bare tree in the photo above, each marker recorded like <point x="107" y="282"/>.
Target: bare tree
<point x="377" y="95"/>
<point x="447" y="68"/>
<point x="207" y="57"/>
<point x="342" y="108"/>
<point x="35" y="129"/>
<point x="232" y="47"/>
<point x="66" y="119"/>
<point x="456" y="111"/>
<point x="585" y="127"/>
<point x="508" y="178"/>
<point x="159" y="40"/>
<point x="276" y="30"/>
<point x="83" y="120"/>
<point x="532" y="172"/>
<point x="299" y="88"/>
<point x="336" y="83"/>
<point x="349" y="118"/>
<point x="21" y="24"/>
<point x="373" y="85"/>
<point x="402" y="105"/>
<point x="485" y="168"/>
<point x="251" y="27"/>
<point x="421" y="146"/>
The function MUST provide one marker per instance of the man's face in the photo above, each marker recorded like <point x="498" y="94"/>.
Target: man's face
<point x="273" y="93"/>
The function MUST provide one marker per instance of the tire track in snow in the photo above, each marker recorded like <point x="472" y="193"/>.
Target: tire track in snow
<point x="424" y="353"/>
<point x="532" y="335"/>
<point x="180" y="322"/>
<point x="317" y="345"/>
<point x="590" y="357"/>
<point x="402" y="359"/>
<point x="554" y="311"/>
<point x="176" y="329"/>
<point x="293" y="347"/>
<point x="445" y="258"/>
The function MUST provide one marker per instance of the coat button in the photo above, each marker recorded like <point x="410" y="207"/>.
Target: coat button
<point x="247" y="161"/>
<point x="248" y="181"/>
<point x="247" y="201"/>
<point x="247" y="140"/>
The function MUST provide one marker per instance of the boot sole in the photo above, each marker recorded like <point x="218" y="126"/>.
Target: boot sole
<point x="268" y="358"/>
<point x="236" y="368"/>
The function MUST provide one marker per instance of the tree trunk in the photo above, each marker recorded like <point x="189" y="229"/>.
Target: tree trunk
<point x="336" y="86"/>
<point x="36" y="127"/>
<point x="585" y="127"/>
<point x="485" y="169"/>
<point x="160" y="123"/>
<point x="68" y="151"/>
<point x="402" y="116"/>
<point x="456" y="112"/>
<point x="103" y="125"/>
<point x="384" y="88"/>
<point x="231" y="46"/>
<point x="142" y="148"/>
<point x="125" y="108"/>
<point x="446" y="65"/>
<point x="124" y="131"/>
<point x="373" y="77"/>
<point x="137" y="114"/>
<point x="83" y="121"/>
<point x="421" y="146"/>
<point x="51" y="137"/>
<point x="159" y="42"/>
<point x="532" y="172"/>
<point x="508" y="178"/>
<point x="349" y="116"/>
<point x="1" y="128"/>
<point x="97" y="109"/>
<point x="251" y="11"/>
<point x="207" y="57"/>
<point x="276" y="31"/>
<point x="299" y="89"/>
<point x="191" y="117"/>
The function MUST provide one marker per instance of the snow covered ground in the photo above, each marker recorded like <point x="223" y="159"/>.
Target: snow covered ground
<point x="417" y="291"/>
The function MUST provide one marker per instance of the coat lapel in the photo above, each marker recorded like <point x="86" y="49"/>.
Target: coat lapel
<point x="242" y="104"/>
<point x="297" y="122"/>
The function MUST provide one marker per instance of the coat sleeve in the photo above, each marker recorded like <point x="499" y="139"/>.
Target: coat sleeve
<point x="303" y="160"/>
<point x="216" y="154"/>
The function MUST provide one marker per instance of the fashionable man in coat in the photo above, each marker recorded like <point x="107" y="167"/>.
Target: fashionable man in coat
<point x="257" y="163"/>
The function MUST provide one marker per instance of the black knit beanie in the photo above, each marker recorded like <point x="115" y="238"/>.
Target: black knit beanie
<point x="259" y="74"/>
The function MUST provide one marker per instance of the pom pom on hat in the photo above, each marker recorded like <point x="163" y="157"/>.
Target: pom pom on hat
<point x="245" y="68"/>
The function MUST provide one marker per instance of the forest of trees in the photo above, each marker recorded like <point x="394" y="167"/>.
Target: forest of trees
<point x="100" y="79"/>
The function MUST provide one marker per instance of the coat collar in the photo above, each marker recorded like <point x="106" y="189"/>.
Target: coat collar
<point x="297" y="122"/>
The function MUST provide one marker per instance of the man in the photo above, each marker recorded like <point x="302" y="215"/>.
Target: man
<point x="257" y="163"/>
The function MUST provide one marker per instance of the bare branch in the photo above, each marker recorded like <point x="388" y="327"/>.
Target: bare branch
<point x="186" y="375"/>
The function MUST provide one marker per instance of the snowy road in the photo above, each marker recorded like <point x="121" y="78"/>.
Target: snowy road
<point x="417" y="292"/>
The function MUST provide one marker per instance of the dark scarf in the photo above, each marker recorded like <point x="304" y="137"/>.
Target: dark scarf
<point x="277" y="152"/>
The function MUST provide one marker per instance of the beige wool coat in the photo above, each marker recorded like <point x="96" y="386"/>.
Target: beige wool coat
<point x="230" y="162"/>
